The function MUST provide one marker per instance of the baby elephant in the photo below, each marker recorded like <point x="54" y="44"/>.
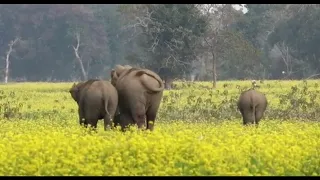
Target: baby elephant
<point x="252" y="105"/>
<point x="96" y="99"/>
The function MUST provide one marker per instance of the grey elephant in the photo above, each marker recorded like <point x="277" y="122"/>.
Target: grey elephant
<point x="96" y="99"/>
<point x="252" y="105"/>
<point x="140" y="93"/>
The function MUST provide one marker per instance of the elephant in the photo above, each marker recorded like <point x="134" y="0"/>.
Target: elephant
<point x="117" y="120"/>
<point x="252" y="105"/>
<point x="140" y="93"/>
<point x="96" y="99"/>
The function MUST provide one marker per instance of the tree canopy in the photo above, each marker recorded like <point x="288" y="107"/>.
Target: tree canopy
<point x="67" y="42"/>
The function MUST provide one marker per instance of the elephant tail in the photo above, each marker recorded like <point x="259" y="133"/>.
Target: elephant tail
<point x="147" y="85"/>
<point x="254" y="114"/>
<point x="253" y="108"/>
<point x="107" y="112"/>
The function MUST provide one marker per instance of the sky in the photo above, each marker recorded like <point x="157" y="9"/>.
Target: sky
<point x="238" y="7"/>
<point x="235" y="6"/>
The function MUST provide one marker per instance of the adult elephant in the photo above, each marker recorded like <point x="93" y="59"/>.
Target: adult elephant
<point x="140" y="93"/>
<point x="96" y="99"/>
<point x="252" y="105"/>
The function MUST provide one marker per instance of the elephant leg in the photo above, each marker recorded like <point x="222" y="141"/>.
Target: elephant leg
<point x="125" y="119"/>
<point x="151" y="116"/>
<point x="248" y="116"/>
<point x="93" y="122"/>
<point x="139" y="115"/>
<point x="243" y="117"/>
<point x="116" y="120"/>
<point x="107" y="121"/>
<point x="85" y="123"/>
<point x="81" y="116"/>
<point x="258" y="114"/>
<point x="109" y="117"/>
<point x="245" y="123"/>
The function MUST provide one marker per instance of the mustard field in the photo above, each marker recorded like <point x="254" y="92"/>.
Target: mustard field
<point x="198" y="131"/>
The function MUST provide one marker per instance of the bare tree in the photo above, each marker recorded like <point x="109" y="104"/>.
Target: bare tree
<point x="286" y="58"/>
<point x="219" y="16"/>
<point x="78" y="57"/>
<point x="11" y="44"/>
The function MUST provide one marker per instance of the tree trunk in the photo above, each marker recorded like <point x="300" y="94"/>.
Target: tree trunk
<point x="214" y="70"/>
<point x="6" y="76"/>
<point x="6" y="73"/>
<point x="84" y="74"/>
<point x="76" y="52"/>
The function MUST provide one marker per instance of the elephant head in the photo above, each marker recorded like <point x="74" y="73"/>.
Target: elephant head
<point x="76" y="88"/>
<point x="74" y="91"/>
<point x="117" y="71"/>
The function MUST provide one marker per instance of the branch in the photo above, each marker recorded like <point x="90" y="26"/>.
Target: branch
<point x="312" y="76"/>
<point x="11" y="45"/>
<point x="154" y="44"/>
<point x="78" y="44"/>
<point x="284" y="53"/>
<point x="14" y="41"/>
<point x="141" y="22"/>
<point x="210" y="45"/>
<point x="168" y="45"/>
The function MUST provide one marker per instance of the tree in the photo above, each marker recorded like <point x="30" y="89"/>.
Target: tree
<point x="260" y="25"/>
<point x="11" y="44"/>
<point x="90" y="35"/>
<point x="239" y="59"/>
<point x="218" y="18"/>
<point x="300" y="36"/>
<point x="168" y="33"/>
<point x="76" y="52"/>
<point x="49" y="33"/>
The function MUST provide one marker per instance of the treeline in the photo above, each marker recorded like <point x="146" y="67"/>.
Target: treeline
<point x="208" y="41"/>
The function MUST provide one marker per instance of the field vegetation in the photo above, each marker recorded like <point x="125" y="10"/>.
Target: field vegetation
<point x="198" y="132"/>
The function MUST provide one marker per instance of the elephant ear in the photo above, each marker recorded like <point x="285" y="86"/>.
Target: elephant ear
<point x="145" y="82"/>
<point x="74" y="88"/>
<point x="118" y="72"/>
<point x="127" y="66"/>
<point x="113" y="74"/>
<point x="114" y="77"/>
<point x="119" y="69"/>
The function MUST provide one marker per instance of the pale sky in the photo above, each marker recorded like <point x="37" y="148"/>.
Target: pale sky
<point x="238" y="7"/>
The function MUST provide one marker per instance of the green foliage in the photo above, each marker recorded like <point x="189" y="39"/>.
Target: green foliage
<point x="257" y="21"/>
<point x="235" y="49"/>
<point x="157" y="36"/>
<point x="303" y="26"/>
<point x="170" y="35"/>
<point x="49" y="33"/>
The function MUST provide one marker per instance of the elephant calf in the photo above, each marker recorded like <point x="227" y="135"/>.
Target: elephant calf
<point x="252" y="105"/>
<point x="96" y="99"/>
